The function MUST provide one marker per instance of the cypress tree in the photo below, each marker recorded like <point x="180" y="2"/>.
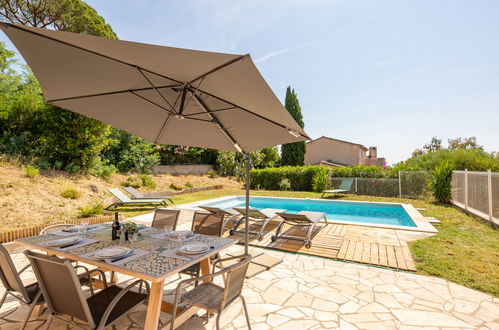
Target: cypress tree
<point x="293" y="153"/>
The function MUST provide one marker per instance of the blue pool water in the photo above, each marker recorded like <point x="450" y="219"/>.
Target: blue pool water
<point x="386" y="214"/>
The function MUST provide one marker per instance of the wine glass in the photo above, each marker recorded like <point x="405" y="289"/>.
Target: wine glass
<point x="133" y="238"/>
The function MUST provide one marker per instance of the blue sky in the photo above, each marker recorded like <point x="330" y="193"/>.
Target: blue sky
<point x="385" y="73"/>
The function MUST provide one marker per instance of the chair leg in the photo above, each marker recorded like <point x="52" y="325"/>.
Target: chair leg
<point x="246" y="312"/>
<point x="218" y="319"/>
<point x="3" y="298"/>
<point x="30" y="309"/>
<point x="262" y="229"/>
<point x="49" y="321"/>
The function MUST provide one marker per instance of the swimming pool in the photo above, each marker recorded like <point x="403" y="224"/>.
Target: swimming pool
<point x="344" y="211"/>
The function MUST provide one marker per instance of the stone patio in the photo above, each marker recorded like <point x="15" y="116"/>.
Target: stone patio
<point x="306" y="292"/>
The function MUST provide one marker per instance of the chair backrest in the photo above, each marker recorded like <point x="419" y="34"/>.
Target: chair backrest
<point x="119" y="194"/>
<point x="253" y="213"/>
<point x="207" y="224"/>
<point x="134" y="192"/>
<point x="215" y="210"/>
<point x="346" y="184"/>
<point x="9" y="276"/>
<point x="234" y="280"/>
<point x="298" y="218"/>
<point x="54" y="228"/>
<point x="165" y="219"/>
<point x="60" y="286"/>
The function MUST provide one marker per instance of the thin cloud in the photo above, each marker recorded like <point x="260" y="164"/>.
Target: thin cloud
<point x="386" y="62"/>
<point x="283" y="51"/>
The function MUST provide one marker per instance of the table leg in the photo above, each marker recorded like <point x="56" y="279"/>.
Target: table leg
<point x="205" y="265"/>
<point x="154" y="305"/>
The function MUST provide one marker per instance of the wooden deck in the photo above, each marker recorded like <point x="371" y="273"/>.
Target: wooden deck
<point x="367" y="245"/>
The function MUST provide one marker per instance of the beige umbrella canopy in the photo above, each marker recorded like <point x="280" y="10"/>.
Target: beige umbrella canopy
<point x="163" y="94"/>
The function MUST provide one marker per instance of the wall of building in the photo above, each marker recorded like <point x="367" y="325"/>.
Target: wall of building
<point x="334" y="151"/>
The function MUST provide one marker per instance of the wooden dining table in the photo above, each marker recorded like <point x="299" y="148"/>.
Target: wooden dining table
<point x="154" y="260"/>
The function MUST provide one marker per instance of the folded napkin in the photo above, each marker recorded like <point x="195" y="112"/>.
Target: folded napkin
<point x="136" y="253"/>
<point x="173" y="254"/>
<point x="82" y="242"/>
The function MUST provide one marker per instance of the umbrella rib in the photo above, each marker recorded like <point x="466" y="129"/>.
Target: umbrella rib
<point x="154" y="103"/>
<point x="218" y="68"/>
<point x="212" y="111"/>
<point x="251" y="112"/>
<point x="89" y="51"/>
<point x="217" y="123"/>
<point x="110" y="93"/>
<point x="154" y="87"/>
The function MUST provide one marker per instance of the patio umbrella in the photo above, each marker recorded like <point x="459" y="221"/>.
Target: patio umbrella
<point x="163" y="94"/>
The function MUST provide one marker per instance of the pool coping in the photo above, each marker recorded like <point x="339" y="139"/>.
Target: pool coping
<point x="422" y="224"/>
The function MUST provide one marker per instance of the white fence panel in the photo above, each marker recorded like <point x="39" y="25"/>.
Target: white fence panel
<point x="477" y="192"/>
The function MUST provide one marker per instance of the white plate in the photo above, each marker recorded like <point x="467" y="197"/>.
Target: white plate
<point x="179" y="233"/>
<point x="112" y="252"/>
<point x="195" y="248"/>
<point x="64" y="241"/>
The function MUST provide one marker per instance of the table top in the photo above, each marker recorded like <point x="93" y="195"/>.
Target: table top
<point x="152" y="266"/>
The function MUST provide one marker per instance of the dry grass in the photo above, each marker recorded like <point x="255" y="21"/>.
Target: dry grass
<point x="26" y="201"/>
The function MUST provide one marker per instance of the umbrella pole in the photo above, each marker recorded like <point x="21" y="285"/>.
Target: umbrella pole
<point x="246" y="224"/>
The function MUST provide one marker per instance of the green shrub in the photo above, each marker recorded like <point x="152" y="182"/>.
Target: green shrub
<point x="147" y="181"/>
<point x="320" y="180"/>
<point x="173" y="186"/>
<point x="31" y="171"/>
<point x="140" y="180"/>
<point x="284" y="184"/>
<point x="188" y="184"/>
<point x="91" y="210"/>
<point x="212" y="174"/>
<point x="441" y="182"/>
<point x="70" y="193"/>
<point x="132" y="181"/>
<point x="103" y="170"/>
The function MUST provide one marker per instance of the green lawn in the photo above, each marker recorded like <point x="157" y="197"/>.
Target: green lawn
<point x="465" y="251"/>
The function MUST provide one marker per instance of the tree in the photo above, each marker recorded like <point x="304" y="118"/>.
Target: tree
<point x="64" y="15"/>
<point x="434" y="145"/>
<point x="464" y="143"/>
<point x="293" y="153"/>
<point x="27" y="125"/>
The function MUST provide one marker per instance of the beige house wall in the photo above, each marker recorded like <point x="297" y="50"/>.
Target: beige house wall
<point x="334" y="151"/>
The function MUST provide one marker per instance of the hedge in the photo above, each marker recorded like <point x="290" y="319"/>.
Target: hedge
<point x="300" y="177"/>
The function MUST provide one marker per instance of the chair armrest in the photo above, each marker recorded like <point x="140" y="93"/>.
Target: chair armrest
<point x="229" y="259"/>
<point x="23" y="269"/>
<point x="115" y="300"/>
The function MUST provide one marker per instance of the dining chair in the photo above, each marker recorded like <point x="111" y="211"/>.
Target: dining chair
<point x="212" y="297"/>
<point x="165" y="219"/>
<point x="205" y="224"/>
<point x="29" y="295"/>
<point x="54" y="228"/>
<point x="59" y="284"/>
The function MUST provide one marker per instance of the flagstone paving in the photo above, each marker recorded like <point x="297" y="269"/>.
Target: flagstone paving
<point x="306" y="292"/>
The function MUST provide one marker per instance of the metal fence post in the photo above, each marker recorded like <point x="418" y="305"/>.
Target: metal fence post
<point x="489" y="192"/>
<point x="466" y="189"/>
<point x="400" y="187"/>
<point x="355" y="185"/>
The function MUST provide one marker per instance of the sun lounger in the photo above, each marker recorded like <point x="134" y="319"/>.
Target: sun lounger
<point x="138" y="195"/>
<point x="125" y="200"/>
<point x="228" y="214"/>
<point x="302" y="218"/>
<point x="261" y="217"/>
<point x="346" y="186"/>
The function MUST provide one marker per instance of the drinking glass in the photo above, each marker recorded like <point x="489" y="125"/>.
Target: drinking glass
<point x="132" y="238"/>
